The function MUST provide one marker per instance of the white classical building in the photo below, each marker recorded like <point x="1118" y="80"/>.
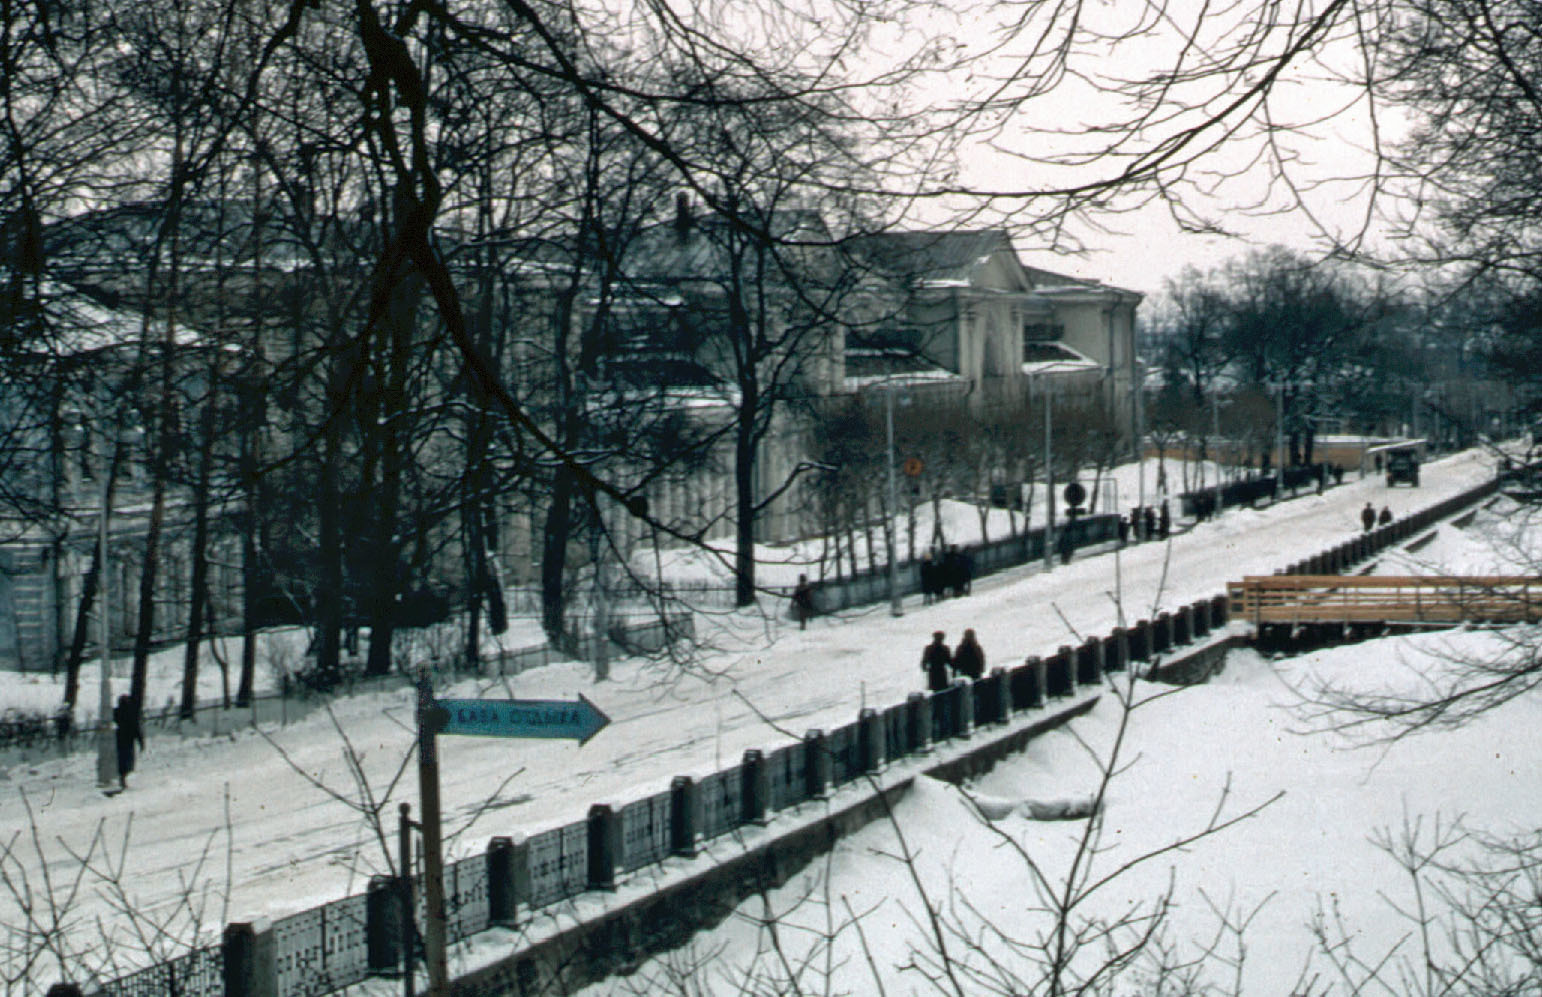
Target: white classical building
<point x="949" y="315"/>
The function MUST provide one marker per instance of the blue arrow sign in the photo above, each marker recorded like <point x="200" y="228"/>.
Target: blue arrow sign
<point x="520" y="718"/>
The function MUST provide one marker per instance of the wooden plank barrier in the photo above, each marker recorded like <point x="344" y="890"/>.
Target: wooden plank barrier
<point x="1385" y="598"/>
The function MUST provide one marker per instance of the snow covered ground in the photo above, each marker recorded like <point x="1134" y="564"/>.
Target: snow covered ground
<point x="271" y="823"/>
<point x="1313" y="858"/>
<point x="1234" y="744"/>
<point x="950" y="522"/>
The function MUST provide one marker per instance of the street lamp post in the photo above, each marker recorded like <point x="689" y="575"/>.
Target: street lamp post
<point x="1140" y="437"/>
<point x="896" y="607"/>
<point x="1049" y="478"/>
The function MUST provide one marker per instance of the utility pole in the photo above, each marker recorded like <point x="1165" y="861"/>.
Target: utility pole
<point x="896" y="607"/>
<point x="1049" y="478"/>
<point x="434" y="928"/>
<point x="1140" y="435"/>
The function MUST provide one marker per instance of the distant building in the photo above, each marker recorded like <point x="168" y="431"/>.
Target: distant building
<point x="61" y="406"/>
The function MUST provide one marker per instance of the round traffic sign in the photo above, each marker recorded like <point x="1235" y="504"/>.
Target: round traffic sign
<point x="913" y="466"/>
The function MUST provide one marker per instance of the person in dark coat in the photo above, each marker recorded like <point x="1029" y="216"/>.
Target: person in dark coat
<point x="1385" y="517"/>
<point x="803" y="602"/>
<point x="1368" y="517"/>
<point x="1149" y="517"/>
<point x="953" y="571"/>
<point x="1124" y="531"/>
<point x="1166" y="525"/>
<point x="960" y="571"/>
<point x="969" y="657"/>
<point x="931" y="587"/>
<point x="126" y="719"/>
<point x="935" y="661"/>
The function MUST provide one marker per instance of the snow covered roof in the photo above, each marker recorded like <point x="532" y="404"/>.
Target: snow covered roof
<point x="76" y="325"/>
<point x="1054" y="357"/>
<point x="866" y="364"/>
<point x="932" y="259"/>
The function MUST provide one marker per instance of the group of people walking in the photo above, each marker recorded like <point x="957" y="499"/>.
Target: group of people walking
<point x="1147" y="522"/>
<point x="942" y="665"/>
<point x="944" y="573"/>
<point x="1370" y="520"/>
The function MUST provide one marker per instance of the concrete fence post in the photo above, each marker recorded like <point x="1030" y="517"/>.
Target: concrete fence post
<point x="963" y="706"/>
<point x="604" y="846"/>
<point x="1061" y="677"/>
<point x="817" y="764"/>
<point x="1025" y="689"/>
<point x="1116" y="655"/>
<point x="502" y="895"/>
<point x="1220" y="612"/>
<point x="1001" y="710"/>
<point x="250" y="960"/>
<point x="870" y="740"/>
<point x="1199" y="613"/>
<point x="754" y="788"/>
<point x="1140" y="641"/>
<point x="918" y="722"/>
<point x="684" y="816"/>
<point x="1089" y="662"/>
<point x="1183" y="625"/>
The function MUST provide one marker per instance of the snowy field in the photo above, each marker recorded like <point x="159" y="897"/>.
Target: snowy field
<point x="267" y="824"/>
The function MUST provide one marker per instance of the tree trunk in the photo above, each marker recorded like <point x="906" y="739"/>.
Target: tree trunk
<point x="198" y="588"/>
<point x="554" y="549"/>
<point x="77" y="651"/>
<point x="328" y="595"/>
<point x="744" y="494"/>
<point x="867" y="532"/>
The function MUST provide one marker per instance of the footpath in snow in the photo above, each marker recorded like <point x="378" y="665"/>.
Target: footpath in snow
<point x="272" y="823"/>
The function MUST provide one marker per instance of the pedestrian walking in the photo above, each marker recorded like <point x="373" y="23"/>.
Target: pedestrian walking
<point x="935" y="662"/>
<point x="1368" y="517"/>
<point x="1385" y="517"/>
<point x="953" y="571"/>
<point x="126" y="719"/>
<point x="969" y="657"/>
<point x="931" y="572"/>
<point x="803" y="602"/>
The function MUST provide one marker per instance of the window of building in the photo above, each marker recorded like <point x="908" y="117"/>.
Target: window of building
<point x="1042" y="331"/>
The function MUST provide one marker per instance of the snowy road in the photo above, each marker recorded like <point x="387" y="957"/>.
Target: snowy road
<point x="286" y="844"/>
